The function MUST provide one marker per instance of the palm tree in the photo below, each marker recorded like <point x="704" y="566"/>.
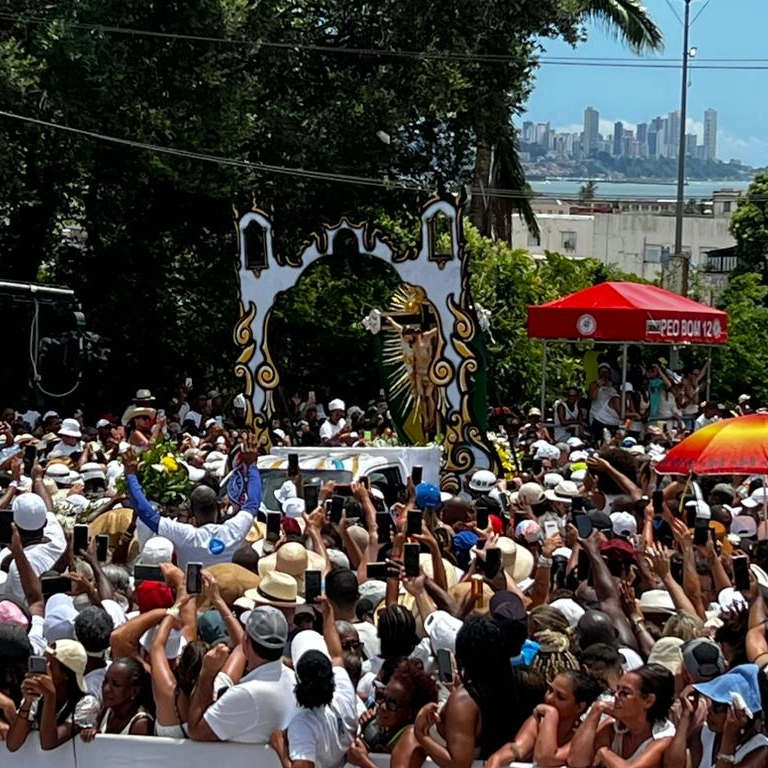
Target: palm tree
<point x="498" y="166"/>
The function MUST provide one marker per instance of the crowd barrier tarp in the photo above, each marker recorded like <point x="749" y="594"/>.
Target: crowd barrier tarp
<point x="144" y="751"/>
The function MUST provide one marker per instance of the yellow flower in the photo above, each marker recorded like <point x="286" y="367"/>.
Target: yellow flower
<point x="169" y="463"/>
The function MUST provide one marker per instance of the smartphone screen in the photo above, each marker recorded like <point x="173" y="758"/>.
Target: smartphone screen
<point x="102" y="547"/>
<point x="584" y="566"/>
<point x="147" y="573"/>
<point x="416" y="474"/>
<point x="481" y="514"/>
<point x="363" y="480"/>
<point x="6" y="520"/>
<point x="384" y="526"/>
<point x="658" y="503"/>
<point x="194" y="578"/>
<point x="577" y="505"/>
<point x="30" y="454"/>
<point x="337" y="509"/>
<point x="740" y="572"/>
<point x="312" y="585"/>
<point x="492" y="561"/>
<point x="583" y="525"/>
<point x="80" y="539"/>
<point x="273" y="526"/>
<point x="444" y="666"/>
<point x="37" y="665"/>
<point x="311" y="499"/>
<point x="377" y="571"/>
<point x="55" y="585"/>
<point x="550" y="529"/>
<point x="413" y="525"/>
<point x="411" y="560"/>
<point x="293" y="464"/>
<point x="701" y="534"/>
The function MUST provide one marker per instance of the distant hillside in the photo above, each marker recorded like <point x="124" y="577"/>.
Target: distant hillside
<point x="605" y="167"/>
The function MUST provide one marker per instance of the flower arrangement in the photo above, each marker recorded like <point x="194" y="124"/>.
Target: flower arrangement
<point x="163" y="478"/>
<point x="504" y="451"/>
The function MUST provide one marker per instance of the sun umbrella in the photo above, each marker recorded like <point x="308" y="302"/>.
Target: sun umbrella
<point x="728" y="447"/>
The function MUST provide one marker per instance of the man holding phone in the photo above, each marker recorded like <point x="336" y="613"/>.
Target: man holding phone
<point x="206" y="540"/>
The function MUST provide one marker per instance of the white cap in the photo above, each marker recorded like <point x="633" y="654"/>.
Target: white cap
<point x="442" y="629"/>
<point x="294" y="507"/>
<point x="482" y="481"/>
<point x="70" y="428"/>
<point x="174" y="646"/>
<point x="579" y="475"/>
<point x="551" y="479"/>
<point x="756" y="498"/>
<point x="59" y="621"/>
<point x="577" y="456"/>
<point x="103" y="423"/>
<point x="574" y="442"/>
<point x="286" y="491"/>
<point x="29" y="512"/>
<point x="239" y="402"/>
<point x="703" y="511"/>
<point x="336" y="405"/>
<point x="307" y="640"/>
<point x="156" y="550"/>
<point x="48" y="414"/>
<point x="624" y="524"/>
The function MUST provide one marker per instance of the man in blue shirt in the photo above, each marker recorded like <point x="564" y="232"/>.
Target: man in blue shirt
<point x="206" y="541"/>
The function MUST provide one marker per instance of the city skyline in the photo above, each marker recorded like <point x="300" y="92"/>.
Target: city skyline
<point x="657" y="137"/>
<point x="727" y="75"/>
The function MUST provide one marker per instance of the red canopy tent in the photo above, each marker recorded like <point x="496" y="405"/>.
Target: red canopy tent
<point x="626" y="313"/>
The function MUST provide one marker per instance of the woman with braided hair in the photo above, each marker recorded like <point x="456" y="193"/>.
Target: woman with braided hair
<point x="554" y="655"/>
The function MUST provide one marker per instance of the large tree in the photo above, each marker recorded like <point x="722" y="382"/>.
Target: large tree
<point x="749" y="225"/>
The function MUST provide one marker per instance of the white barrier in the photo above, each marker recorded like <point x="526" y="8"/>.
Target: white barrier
<point x="143" y="751"/>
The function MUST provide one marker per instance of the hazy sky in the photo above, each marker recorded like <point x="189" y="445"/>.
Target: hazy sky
<point x="726" y="29"/>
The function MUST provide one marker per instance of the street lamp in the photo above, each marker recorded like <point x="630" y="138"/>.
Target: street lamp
<point x="687" y="52"/>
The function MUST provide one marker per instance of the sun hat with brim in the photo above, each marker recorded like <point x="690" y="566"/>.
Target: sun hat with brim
<point x="286" y="491"/>
<point x="516" y="560"/>
<point x="70" y="428"/>
<point x="136" y="412"/>
<point x="703" y="659"/>
<point x="564" y="492"/>
<point x="743" y="680"/>
<point x="294" y="559"/>
<point x="531" y="493"/>
<point x="72" y="655"/>
<point x="308" y="640"/>
<point x="657" y="601"/>
<point x="667" y="651"/>
<point x="233" y="582"/>
<point x="278" y="589"/>
<point x="461" y="590"/>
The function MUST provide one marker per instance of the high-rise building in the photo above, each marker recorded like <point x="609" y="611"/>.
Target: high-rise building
<point x="710" y="134"/>
<point x="591" y="131"/>
<point x="673" y="134"/>
<point x="529" y="132"/>
<point x="618" y="139"/>
<point x="642" y="132"/>
<point x="691" y="140"/>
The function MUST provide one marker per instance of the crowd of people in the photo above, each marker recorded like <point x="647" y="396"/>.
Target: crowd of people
<point x="579" y="611"/>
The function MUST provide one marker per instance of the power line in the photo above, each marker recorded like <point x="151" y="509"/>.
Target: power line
<point x="504" y="194"/>
<point x="590" y="62"/>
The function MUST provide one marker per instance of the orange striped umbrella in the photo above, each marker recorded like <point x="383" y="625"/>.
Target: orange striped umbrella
<point x="736" y="446"/>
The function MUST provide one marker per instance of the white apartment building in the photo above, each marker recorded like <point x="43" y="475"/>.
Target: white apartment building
<point x="638" y="239"/>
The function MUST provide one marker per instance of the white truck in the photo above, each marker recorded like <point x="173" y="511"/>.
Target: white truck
<point x="345" y="465"/>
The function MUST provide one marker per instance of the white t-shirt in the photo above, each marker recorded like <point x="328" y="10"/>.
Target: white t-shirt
<point x="328" y="431"/>
<point x="41" y="557"/>
<point x="62" y="449"/>
<point x="323" y="735"/>
<point x="94" y="680"/>
<point x="191" y="543"/>
<point x="262" y="702"/>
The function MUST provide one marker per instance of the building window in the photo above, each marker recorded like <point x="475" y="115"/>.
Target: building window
<point x="652" y="254"/>
<point x="568" y="242"/>
<point x="533" y="241"/>
<point x="727" y="207"/>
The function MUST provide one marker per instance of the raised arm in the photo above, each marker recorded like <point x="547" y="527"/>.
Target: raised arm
<point x="146" y="512"/>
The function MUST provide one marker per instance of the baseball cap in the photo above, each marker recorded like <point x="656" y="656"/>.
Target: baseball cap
<point x="703" y="511"/>
<point x="29" y="512"/>
<point x="428" y="495"/>
<point x="600" y="520"/>
<point x="744" y="526"/>
<point x="72" y="655"/>
<point x="174" y="646"/>
<point x="211" y="627"/>
<point x="308" y="640"/>
<point x="153" y="594"/>
<point x="666" y="651"/>
<point x="755" y="499"/>
<point x="267" y="626"/>
<point x="60" y="614"/>
<point x="156" y="550"/>
<point x="703" y="659"/>
<point x="624" y="524"/>
<point x="509" y="606"/>
<point x="442" y="629"/>
<point x="531" y="493"/>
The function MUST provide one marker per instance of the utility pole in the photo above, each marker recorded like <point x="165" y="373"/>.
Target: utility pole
<point x="679" y="255"/>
